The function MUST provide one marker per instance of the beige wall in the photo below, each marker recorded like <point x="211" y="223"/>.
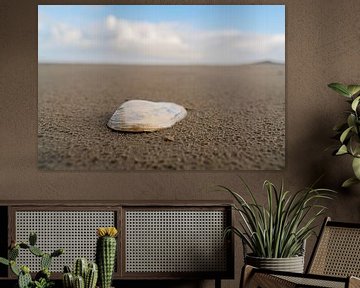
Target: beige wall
<point x="322" y="46"/>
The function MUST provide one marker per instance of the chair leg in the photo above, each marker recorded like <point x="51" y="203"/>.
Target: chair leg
<point x="246" y="273"/>
<point x="217" y="283"/>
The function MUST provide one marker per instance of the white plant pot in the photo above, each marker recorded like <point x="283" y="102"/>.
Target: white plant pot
<point x="291" y="264"/>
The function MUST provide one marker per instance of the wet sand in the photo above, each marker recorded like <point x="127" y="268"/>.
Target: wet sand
<point x="236" y="117"/>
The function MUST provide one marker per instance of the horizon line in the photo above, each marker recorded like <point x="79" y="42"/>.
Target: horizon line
<point x="162" y="64"/>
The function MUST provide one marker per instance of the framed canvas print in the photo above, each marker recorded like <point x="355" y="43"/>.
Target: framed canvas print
<point x="161" y="87"/>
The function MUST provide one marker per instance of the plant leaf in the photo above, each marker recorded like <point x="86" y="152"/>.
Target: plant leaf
<point x="342" y="150"/>
<point x="353" y="89"/>
<point x="279" y="228"/>
<point x="4" y="261"/>
<point x="345" y="134"/>
<point x="355" y="103"/>
<point x="340" y="88"/>
<point x="349" y="182"/>
<point x="356" y="167"/>
<point x="354" y="145"/>
<point x="351" y="120"/>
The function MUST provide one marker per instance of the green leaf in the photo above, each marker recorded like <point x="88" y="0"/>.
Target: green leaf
<point x="279" y="228"/>
<point x="353" y="89"/>
<point x="345" y="134"/>
<point x="4" y="261"/>
<point x="354" y="145"/>
<point x="349" y="182"/>
<point x="356" y="167"/>
<point x="340" y="88"/>
<point x="351" y="120"/>
<point x="342" y="150"/>
<point x="355" y="103"/>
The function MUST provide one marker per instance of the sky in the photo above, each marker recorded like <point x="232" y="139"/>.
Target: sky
<point x="161" y="34"/>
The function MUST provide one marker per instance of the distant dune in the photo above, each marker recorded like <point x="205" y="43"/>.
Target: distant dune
<point x="268" y="62"/>
<point x="236" y="117"/>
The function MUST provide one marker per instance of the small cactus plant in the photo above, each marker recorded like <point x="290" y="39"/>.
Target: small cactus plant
<point x="79" y="282"/>
<point x="91" y="276"/>
<point x="42" y="278"/>
<point x="81" y="267"/>
<point x="106" y="254"/>
<point x="85" y="275"/>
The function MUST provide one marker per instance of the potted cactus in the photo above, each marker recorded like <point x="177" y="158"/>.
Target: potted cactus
<point x="42" y="278"/>
<point x="84" y="275"/>
<point x="106" y="254"/>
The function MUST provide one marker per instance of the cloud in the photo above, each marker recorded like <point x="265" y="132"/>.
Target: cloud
<point x="159" y="40"/>
<point x="233" y="46"/>
<point x="66" y="35"/>
<point x="118" y="40"/>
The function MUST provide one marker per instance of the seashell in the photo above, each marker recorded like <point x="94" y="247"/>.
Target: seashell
<point x="146" y="116"/>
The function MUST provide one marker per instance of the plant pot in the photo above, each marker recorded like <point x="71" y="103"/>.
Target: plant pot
<point x="291" y="264"/>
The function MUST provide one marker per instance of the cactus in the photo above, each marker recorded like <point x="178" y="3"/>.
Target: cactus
<point x="24" y="280"/>
<point x="57" y="253"/>
<point x="80" y="268"/>
<point x="32" y="238"/>
<point x="13" y="253"/>
<point x="67" y="269"/>
<point x="68" y="280"/>
<point x="90" y="272"/>
<point x="45" y="261"/>
<point x="14" y="268"/>
<point x="44" y="273"/>
<point x="105" y="254"/>
<point x="91" y="276"/>
<point x="42" y="278"/>
<point x="24" y="245"/>
<point x="36" y="251"/>
<point x="79" y="282"/>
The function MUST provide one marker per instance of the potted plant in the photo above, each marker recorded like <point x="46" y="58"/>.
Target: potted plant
<point x="276" y="233"/>
<point x="84" y="274"/>
<point x="348" y="132"/>
<point x="106" y="254"/>
<point x="42" y="278"/>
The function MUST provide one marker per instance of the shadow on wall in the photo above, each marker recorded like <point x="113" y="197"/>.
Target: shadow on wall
<point x="333" y="169"/>
<point x="317" y="147"/>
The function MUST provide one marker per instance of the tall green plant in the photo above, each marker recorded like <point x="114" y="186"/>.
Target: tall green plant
<point x="279" y="229"/>
<point x="348" y="132"/>
<point x="106" y="254"/>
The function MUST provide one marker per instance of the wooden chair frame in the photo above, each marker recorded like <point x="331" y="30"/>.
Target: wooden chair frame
<point x="252" y="277"/>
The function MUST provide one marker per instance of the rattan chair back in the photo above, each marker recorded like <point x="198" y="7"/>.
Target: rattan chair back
<point x="337" y="252"/>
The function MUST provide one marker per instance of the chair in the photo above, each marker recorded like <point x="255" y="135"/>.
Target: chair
<point x="335" y="262"/>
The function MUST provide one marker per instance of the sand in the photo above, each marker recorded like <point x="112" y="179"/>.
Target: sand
<point x="236" y="117"/>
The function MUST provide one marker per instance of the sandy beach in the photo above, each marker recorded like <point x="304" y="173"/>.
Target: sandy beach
<point x="236" y="117"/>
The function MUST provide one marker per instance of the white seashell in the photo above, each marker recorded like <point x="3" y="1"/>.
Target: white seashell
<point x="146" y="116"/>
